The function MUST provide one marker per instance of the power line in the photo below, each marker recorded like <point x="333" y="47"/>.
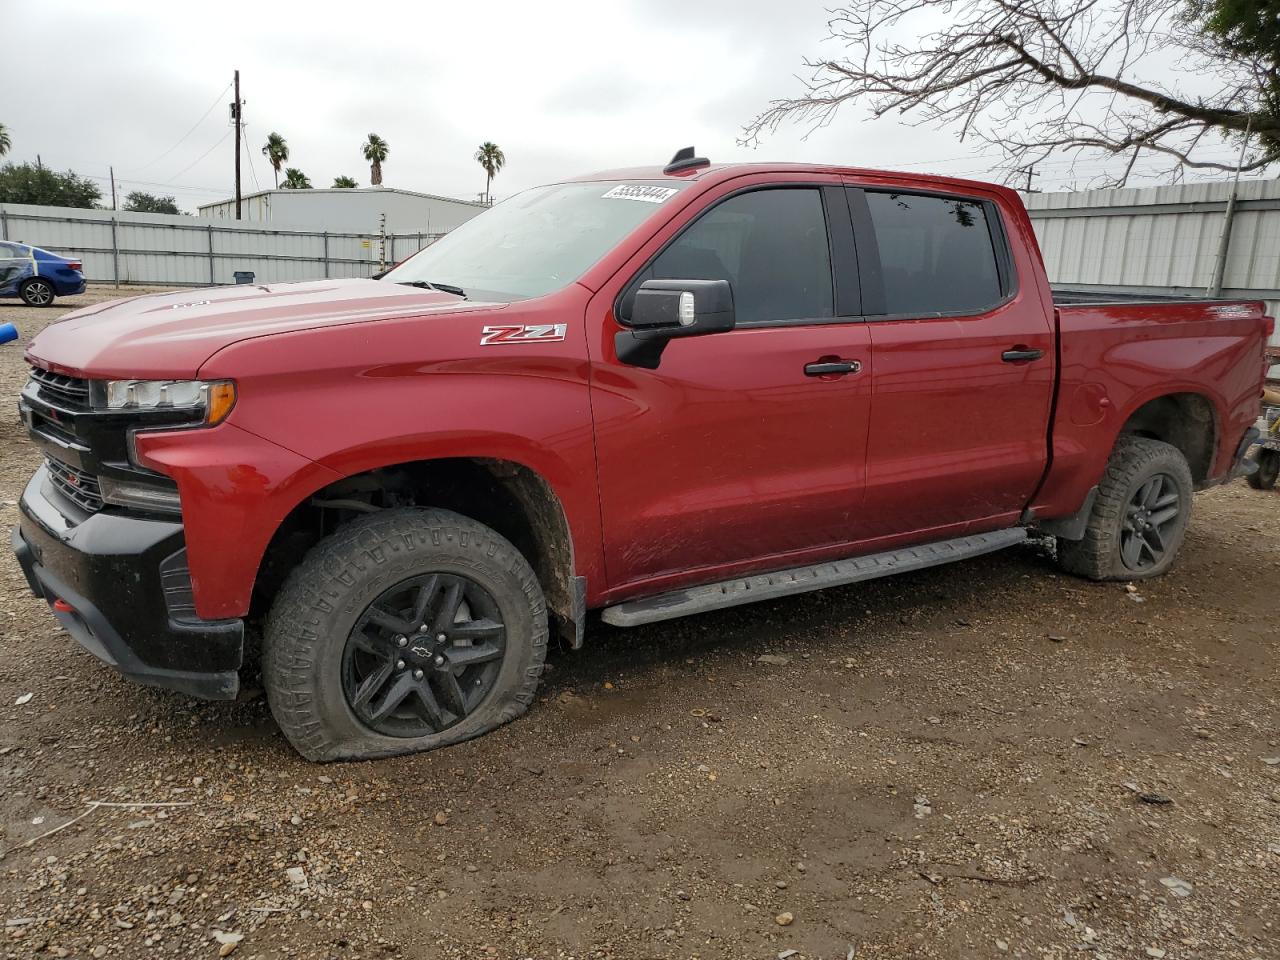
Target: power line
<point x="202" y="119"/>
<point x="201" y="157"/>
<point x="1096" y="161"/>
<point x="249" y="153"/>
<point x="1072" y="167"/>
<point x="1149" y="165"/>
<point x="925" y="163"/>
<point x="156" y="183"/>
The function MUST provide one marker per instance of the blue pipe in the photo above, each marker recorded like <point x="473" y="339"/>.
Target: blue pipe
<point x="8" y="332"/>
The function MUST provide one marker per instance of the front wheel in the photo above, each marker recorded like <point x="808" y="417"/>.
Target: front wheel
<point x="1139" y="516"/>
<point x="36" y="292"/>
<point x="404" y="631"/>
<point x="1264" y="478"/>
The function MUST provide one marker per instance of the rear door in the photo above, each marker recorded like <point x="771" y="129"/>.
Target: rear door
<point x="15" y="266"/>
<point x="732" y="453"/>
<point x="964" y="363"/>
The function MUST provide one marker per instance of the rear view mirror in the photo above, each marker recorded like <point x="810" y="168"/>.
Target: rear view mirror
<point x="666" y="310"/>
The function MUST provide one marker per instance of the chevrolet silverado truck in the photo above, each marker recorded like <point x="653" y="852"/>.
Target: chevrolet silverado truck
<point x="651" y="392"/>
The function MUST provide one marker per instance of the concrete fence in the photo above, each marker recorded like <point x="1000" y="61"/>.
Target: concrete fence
<point x="179" y="251"/>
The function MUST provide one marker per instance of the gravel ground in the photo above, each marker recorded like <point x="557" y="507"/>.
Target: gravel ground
<point x="987" y="759"/>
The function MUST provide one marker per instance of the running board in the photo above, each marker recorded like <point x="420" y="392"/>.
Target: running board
<point x="785" y="583"/>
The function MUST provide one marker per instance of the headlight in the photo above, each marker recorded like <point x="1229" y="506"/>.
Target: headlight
<point x="209" y="400"/>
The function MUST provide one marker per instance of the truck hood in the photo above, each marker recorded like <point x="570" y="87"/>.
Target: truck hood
<point x="170" y="335"/>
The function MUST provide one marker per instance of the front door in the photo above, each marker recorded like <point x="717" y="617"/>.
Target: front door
<point x="964" y="364"/>
<point x="731" y="453"/>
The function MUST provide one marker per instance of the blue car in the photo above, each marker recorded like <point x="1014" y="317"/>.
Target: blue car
<point x="37" y="276"/>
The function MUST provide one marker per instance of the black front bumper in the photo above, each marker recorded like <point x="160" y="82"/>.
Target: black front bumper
<point x="126" y="593"/>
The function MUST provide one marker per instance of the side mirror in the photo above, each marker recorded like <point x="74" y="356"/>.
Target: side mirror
<point x="670" y="309"/>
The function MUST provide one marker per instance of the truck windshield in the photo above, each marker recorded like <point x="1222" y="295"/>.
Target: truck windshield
<point x="536" y="242"/>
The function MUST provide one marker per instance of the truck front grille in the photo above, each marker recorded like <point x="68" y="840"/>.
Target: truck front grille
<point x="77" y="486"/>
<point x="66" y="393"/>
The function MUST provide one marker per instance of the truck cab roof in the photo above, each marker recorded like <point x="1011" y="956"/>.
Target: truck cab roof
<point x="714" y="173"/>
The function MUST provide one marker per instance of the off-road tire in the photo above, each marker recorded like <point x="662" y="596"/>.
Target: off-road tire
<point x="321" y="600"/>
<point x="1133" y="462"/>
<point x="1264" y="478"/>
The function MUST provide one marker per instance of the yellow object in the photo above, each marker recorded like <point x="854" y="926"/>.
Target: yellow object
<point x="222" y="397"/>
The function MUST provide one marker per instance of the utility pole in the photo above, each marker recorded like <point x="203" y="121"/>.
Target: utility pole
<point x="112" y="170"/>
<point x="1224" y="241"/>
<point x="382" y="242"/>
<point x="235" y="118"/>
<point x="1030" y="171"/>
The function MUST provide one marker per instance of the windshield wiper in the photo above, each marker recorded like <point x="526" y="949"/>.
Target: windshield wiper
<point x="429" y="285"/>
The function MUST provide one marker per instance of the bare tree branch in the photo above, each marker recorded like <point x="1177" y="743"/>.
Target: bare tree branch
<point x="1036" y="78"/>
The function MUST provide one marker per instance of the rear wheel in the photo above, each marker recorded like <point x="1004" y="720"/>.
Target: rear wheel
<point x="1264" y="478"/>
<point x="404" y="631"/>
<point x="1139" y="516"/>
<point x="36" y="292"/>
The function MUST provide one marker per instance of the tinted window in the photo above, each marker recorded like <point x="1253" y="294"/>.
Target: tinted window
<point x="936" y="254"/>
<point x="771" y="245"/>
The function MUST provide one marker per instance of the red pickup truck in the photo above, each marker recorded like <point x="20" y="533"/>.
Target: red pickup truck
<point x="651" y="392"/>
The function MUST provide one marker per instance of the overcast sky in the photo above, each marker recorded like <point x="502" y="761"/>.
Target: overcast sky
<point x="562" y="87"/>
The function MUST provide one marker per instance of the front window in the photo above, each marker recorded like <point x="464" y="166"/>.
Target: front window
<point x="538" y="241"/>
<point x="771" y="245"/>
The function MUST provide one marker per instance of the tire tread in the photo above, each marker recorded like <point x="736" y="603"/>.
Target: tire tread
<point x="1095" y="556"/>
<point x="312" y="592"/>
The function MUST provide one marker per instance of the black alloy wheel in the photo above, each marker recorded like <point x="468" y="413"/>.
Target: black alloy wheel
<point x="404" y="630"/>
<point x="1138" y="517"/>
<point x="424" y="655"/>
<point x="1150" y="516"/>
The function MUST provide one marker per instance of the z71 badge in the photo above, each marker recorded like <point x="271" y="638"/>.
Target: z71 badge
<point x="514" y="333"/>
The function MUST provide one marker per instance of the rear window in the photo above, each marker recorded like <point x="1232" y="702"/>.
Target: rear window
<point x="936" y="254"/>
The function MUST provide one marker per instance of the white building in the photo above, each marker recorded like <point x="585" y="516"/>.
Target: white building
<point x="348" y="210"/>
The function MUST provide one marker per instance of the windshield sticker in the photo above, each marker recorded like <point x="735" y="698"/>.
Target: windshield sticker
<point x="636" y="191"/>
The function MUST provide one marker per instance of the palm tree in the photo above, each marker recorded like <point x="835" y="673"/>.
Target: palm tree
<point x="490" y="157"/>
<point x="5" y="142"/>
<point x="345" y="182"/>
<point x="375" y="151"/>
<point x="295" y="179"/>
<point x="277" y="152"/>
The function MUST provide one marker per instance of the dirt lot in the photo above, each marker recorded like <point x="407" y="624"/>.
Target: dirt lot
<point x="988" y="759"/>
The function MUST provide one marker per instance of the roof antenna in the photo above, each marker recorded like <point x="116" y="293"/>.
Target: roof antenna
<point x="685" y="160"/>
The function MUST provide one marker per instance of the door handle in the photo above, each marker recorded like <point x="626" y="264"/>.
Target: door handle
<point x="1021" y="355"/>
<point x="827" y="368"/>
